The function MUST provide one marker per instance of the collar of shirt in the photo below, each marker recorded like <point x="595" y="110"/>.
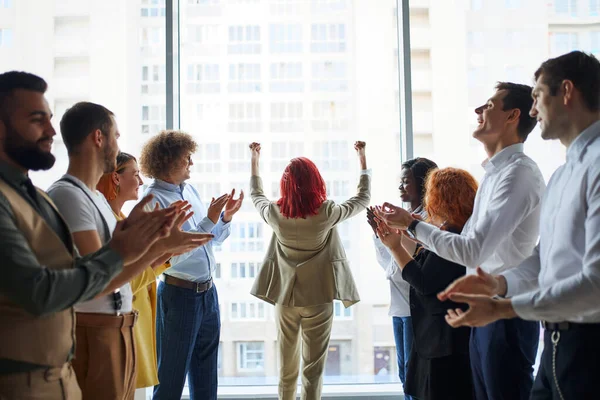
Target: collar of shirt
<point x="12" y="175"/>
<point x="171" y="187"/>
<point x="577" y="148"/>
<point x="501" y="158"/>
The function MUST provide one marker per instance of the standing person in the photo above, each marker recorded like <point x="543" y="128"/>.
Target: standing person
<point x="559" y="284"/>
<point x="188" y="322"/>
<point x="105" y="354"/>
<point x="42" y="273"/>
<point x="305" y="268"/>
<point x="439" y="367"/>
<point x="501" y="233"/>
<point x="118" y="187"/>
<point x="412" y="191"/>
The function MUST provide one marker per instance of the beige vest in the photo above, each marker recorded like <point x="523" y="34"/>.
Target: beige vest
<point x="43" y="340"/>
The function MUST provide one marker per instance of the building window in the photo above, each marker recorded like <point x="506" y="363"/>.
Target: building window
<point x="245" y="117"/>
<point x="154" y="118"/>
<point x="328" y="38"/>
<point x="244" y="78"/>
<point x="153" y="8"/>
<point x="152" y="36"/>
<point x="239" y="157"/>
<point x="595" y="43"/>
<point x="286" y="77"/>
<point x="340" y="312"/>
<point x="476" y="5"/>
<point x="203" y="78"/>
<point x="285" y="38"/>
<point x="244" y="39"/>
<point x="248" y="310"/>
<point x="329" y="76"/>
<point x="566" y="7"/>
<point x="475" y="40"/>
<point x="332" y="156"/>
<point x="594" y="8"/>
<point x="208" y="190"/>
<point x="244" y="270"/>
<point x="251" y="356"/>
<point x="561" y="43"/>
<point x="282" y="152"/>
<point x="330" y="116"/>
<point x="6" y="37"/>
<point x="287" y="117"/>
<point x="203" y="34"/>
<point x="328" y="6"/>
<point x="383" y="364"/>
<point x="247" y="236"/>
<point x="5" y="3"/>
<point x="207" y="158"/>
<point x="286" y="7"/>
<point x="153" y="79"/>
<point x="512" y="4"/>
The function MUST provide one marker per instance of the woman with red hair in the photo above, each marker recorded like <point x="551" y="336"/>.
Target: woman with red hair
<point x="438" y="366"/>
<point x="305" y="268"/>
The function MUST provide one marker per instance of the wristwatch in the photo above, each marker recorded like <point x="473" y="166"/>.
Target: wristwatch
<point x="412" y="227"/>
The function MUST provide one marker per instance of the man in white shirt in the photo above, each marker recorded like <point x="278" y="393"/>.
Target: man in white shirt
<point x="104" y="355"/>
<point x="560" y="283"/>
<point x="500" y="234"/>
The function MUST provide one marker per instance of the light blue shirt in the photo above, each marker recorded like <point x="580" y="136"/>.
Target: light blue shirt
<point x="196" y="265"/>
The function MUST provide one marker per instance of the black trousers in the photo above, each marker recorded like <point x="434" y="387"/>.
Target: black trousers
<point x="577" y="365"/>
<point x="502" y="357"/>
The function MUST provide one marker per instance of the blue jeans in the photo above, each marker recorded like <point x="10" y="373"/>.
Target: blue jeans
<point x="403" y="334"/>
<point x="188" y="328"/>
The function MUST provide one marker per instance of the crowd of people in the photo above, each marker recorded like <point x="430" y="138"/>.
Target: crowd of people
<point x="474" y="269"/>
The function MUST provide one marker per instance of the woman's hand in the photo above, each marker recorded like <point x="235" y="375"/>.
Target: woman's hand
<point x="391" y="238"/>
<point x="360" y="151"/>
<point x="255" y="149"/>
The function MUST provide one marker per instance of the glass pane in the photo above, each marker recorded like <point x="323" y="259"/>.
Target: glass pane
<point x="457" y="59"/>
<point x="78" y="57"/>
<point x="293" y="85"/>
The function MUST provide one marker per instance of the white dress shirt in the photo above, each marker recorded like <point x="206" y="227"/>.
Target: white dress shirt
<point x="561" y="280"/>
<point x="503" y="229"/>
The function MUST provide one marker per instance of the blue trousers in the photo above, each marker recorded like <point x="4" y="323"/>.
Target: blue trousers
<point x="502" y="357"/>
<point x="188" y="328"/>
<point x="403" y="335"/>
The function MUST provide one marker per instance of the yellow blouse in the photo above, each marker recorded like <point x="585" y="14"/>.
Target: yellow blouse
<point x="144" y="331"/>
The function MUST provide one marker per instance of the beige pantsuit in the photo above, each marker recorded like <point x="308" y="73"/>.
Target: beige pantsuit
<point x="304" y="270"/>
<point x="306" y="330"/>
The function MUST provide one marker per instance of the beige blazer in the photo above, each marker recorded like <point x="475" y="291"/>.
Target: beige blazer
<point x="306" y="264"/>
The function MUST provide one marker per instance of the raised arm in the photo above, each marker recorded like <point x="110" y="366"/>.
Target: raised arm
<point x="261" y="202"/>
<point x="360" y="201"/>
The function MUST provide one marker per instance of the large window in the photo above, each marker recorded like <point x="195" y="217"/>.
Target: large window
<point x="304" y="78"/>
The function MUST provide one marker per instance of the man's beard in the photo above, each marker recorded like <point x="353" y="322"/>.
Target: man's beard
<point x="110" y="161"/>
<point x="25" y="153"/>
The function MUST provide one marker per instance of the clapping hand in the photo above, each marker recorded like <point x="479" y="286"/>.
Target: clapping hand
<point x="232" y="206"/>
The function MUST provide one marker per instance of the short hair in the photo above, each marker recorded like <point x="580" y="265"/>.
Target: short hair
<point x="578" y="67"/>
<point x="303" y="189"/>
<point x="15" y="80"/>
<point x="162" y="152"/>
<point x="450" y="194"/>
<point x="420" y="168"/>
<point x="81" y="120"/>
<point x="519" y="96"/>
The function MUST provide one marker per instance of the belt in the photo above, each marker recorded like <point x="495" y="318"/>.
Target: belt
<point x="198" y="287"/>
<point x="92" y="320"/>
<point x="565" y="326"/>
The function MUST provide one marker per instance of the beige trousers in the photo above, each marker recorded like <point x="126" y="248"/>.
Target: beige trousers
<point x="41" y="384"/>
<point x="315" y="325"/>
